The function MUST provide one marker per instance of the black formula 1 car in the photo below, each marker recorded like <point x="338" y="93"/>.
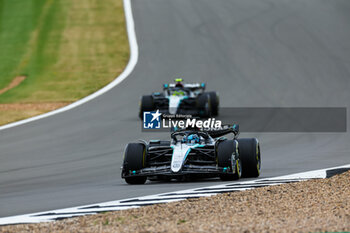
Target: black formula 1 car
<point x="182" y="99"/>
<point x="192" y="154"/>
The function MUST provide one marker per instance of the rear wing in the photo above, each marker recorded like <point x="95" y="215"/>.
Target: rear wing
<point x="186" y="85"/>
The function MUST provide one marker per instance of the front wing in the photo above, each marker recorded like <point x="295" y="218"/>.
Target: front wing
<point x="186" y="170"/>
<point x="201" y="161"/>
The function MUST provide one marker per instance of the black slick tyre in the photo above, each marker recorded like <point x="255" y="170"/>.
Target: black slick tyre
<point x="249" y="150"/>
<point x="146" y="105"/>
<point x="215" y="102"/>
<point x="228" y="159"/>
<point x="134" y="160"/>
<point x="204" y="105"/>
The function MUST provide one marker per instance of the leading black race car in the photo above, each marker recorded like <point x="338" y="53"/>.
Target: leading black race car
<point x="192" y="153"/>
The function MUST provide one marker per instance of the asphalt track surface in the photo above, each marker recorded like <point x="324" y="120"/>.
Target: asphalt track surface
<point x="271" y="53"/>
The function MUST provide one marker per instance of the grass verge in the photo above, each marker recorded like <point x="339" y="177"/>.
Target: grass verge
<point x="65" y="49"/>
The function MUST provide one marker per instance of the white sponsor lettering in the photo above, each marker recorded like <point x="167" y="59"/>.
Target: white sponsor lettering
<point x="211" y="123"/>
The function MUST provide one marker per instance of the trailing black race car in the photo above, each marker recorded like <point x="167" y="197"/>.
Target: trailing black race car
<point x="184" y="99"/>
<point x="192" y="153"/>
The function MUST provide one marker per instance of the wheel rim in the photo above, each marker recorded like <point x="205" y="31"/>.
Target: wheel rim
<point x="237" y="164"/>
<point x="239" y="167"/>
<point x="258" y="160"/>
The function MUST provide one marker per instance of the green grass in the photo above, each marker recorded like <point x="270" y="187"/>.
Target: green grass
<point x="15" y="30"/>
<point x="67" y="49"/>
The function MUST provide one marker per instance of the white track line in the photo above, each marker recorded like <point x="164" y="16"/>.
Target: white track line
<point x="134" y="53"/>
<point x="137" y="202"/>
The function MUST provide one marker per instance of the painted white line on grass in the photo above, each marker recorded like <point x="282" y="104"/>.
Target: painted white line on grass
<point x="137" y="202"/>
<point x="134" y="53"/>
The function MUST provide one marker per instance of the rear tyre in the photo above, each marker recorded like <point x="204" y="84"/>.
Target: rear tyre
<point x="249" y="149"/>
<point x="134" y="160"/>
<point x="215" y="102"/>
<point x="204" y="105"/>
<point x="228" y="159"/>
<point x="146" y="105"/>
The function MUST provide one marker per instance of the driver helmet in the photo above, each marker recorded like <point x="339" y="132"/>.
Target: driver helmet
<point x="192" y="139"/>
<point x="178" y="93"/>
<point x="179" y="82"/>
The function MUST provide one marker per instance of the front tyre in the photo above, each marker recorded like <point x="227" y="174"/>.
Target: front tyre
<point x="250" y="155"/>
<point x="136" y="180"/>
<point x="229" y="160"/>
<point x="146" y="105"/>
<point x="134" y="160"/>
